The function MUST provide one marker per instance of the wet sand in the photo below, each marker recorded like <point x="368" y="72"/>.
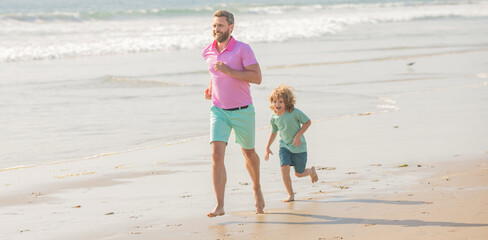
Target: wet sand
<point x="439" y="191"/>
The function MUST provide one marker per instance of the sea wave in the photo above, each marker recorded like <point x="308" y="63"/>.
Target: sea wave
<point x="102" y="15"/>
<point x="73" y="34"/>
<point x="241" y="8"/>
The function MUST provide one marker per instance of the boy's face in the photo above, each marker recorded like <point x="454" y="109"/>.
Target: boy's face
<point x="279" y="106"/>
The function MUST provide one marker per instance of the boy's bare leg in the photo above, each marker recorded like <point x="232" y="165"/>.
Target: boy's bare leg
<point x="219" y="176"/>
<point x="313" y="175"/>
<point x="309" y="172"/>
<point x="285" y="174"/>
<point x="252" y="165"/>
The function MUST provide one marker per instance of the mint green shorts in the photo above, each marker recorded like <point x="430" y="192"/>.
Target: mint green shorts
<point x="242" y="121"/>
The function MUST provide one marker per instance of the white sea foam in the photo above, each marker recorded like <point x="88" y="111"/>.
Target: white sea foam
<point x="34" y="36"/>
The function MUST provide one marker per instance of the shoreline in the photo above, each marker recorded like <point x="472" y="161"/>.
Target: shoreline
<point x="184" y="72"/>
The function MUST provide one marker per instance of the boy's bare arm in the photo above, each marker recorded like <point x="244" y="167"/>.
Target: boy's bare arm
<point x="296" y="141"/>
<point x="271" y="139"/>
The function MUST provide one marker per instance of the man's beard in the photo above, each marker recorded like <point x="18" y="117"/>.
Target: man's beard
<point x="222" y="37"/>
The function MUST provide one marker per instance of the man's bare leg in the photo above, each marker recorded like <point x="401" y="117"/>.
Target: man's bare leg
<point x="252" y="165"/>
<point x="219" y="176"/>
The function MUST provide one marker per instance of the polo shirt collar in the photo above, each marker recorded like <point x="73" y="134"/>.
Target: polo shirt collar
<point x="229" y="47"/>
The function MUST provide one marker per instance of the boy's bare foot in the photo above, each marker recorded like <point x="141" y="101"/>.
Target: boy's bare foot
<point x="258" y="197"/>
<point x="314" y="175"/>
<point x="290" y="198"/>
<point x="216" y="212"/>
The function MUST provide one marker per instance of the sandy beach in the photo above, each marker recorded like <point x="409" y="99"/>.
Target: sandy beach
<point x="109" y="139"/>
<point x="422" y="184"/>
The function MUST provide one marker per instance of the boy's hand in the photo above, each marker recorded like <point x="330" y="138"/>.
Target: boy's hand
<point x="266" y="154"/>
<point x="297" y="142"/>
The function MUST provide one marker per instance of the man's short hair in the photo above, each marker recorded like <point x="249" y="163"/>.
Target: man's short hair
<point x="224" y="13"/>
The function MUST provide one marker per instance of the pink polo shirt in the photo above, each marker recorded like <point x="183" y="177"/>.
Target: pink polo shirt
<point x="229" y="92"/>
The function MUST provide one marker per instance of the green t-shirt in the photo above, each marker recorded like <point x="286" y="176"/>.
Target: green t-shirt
<point x="289" y="124"/>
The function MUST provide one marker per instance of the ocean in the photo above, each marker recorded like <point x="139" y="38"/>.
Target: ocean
<point x="81" y="79"/>
<point x="52" y="29"/>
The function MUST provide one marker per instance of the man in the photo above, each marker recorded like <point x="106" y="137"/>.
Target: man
<point x="232" y="66"/>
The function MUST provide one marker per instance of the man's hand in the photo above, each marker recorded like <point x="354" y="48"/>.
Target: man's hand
<point x="208" y="93"/>
<point x="222" y="67"/>
<point x="250" y="74"/>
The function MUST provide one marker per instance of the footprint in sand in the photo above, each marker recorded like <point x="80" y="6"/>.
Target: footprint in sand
<point x="326" y="168"/>
<point x="174" y="225"/>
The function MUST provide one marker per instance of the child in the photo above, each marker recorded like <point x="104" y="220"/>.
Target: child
<point x="291" y="123"/>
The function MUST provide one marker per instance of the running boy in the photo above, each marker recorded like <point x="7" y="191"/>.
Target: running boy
<point x="291" y="123"/>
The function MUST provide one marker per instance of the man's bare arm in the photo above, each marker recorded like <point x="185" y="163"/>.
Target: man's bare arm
<point x="251" y="74"/>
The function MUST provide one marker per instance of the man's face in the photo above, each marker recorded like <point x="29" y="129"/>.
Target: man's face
<point x="221" y="29"/>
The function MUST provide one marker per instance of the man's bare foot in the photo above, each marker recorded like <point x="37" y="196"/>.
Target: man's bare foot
<point x="290" y="198"/>
<point x="258" y="197"/>
<point x="314" y="175"/>
<point x="216" y="212"/>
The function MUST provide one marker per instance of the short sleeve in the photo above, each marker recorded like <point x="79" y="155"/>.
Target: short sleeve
<point x="274" y="128"/>
<point x="206" y="50"/>
<point x="300" y="116"/>
<point x="247" y="56"/>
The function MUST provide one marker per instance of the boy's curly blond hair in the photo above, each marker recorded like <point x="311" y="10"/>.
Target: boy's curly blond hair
<point x="286" y="93"/>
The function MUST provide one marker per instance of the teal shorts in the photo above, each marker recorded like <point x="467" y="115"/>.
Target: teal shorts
<point x="242" y="121"/>
<point x="297" y="160"/>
